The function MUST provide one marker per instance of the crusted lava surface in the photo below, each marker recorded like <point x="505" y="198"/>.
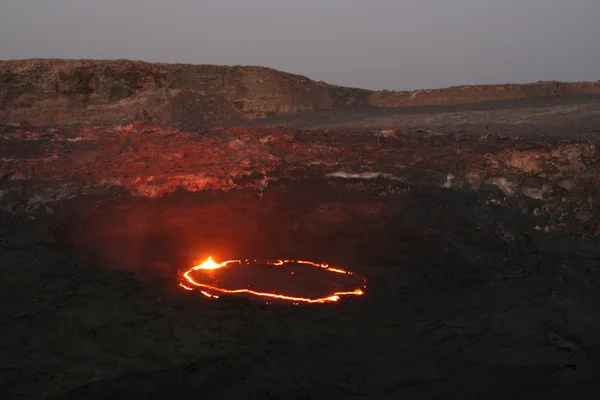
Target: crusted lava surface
<point x="480" y="247"/>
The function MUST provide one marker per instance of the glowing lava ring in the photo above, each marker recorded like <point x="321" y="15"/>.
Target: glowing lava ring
<point x="271" y="280"/>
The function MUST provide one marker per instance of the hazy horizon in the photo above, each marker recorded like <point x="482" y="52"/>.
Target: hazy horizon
<point x="382" y="44"/>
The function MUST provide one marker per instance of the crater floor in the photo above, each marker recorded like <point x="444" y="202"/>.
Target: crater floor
<point x="480" y="250"/>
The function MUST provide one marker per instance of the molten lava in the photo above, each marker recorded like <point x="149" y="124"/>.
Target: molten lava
<point x="273" y="281"/>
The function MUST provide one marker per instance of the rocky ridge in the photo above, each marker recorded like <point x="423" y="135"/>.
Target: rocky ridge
<point x="55" y="91"/>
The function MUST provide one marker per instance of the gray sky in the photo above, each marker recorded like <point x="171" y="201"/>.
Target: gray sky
<point x="375" y="44"/>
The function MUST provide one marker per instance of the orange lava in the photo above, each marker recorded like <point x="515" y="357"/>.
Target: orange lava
<point x="189" y="283"/>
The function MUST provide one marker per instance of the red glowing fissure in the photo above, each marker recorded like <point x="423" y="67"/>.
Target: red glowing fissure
<point x="189" y="283"/>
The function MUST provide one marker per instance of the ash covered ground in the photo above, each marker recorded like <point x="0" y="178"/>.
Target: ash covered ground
<point x="476" y="227"/>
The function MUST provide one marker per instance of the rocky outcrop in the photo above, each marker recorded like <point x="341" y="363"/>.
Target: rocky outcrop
<point x="86" y="91"/>
<point x="49" y="91"/>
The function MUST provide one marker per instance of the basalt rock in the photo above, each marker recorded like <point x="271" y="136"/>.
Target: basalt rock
<point x="41" y="166"/>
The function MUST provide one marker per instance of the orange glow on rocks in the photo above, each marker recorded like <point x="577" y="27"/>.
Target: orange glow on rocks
<point x="294" y="281"/>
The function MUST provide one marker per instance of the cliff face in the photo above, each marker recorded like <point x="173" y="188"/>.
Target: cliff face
<point x="85" y="91"/>
<point x="483" y="93"/>
<point x="47" y="91"/>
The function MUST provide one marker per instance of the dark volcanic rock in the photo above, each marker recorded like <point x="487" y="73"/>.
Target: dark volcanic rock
<point x="556" y="178"/>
